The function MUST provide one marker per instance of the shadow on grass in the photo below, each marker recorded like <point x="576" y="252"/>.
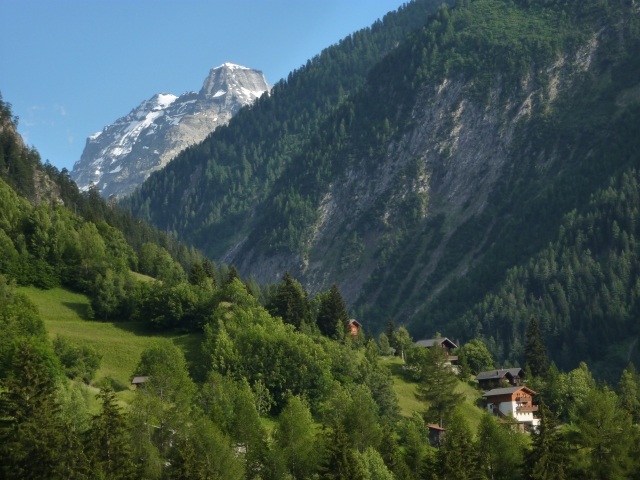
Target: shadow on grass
<point x="115" y="385"/>
<point x="189" y="342"/>
<point x="82" y="309"/>
<point x="397" y="370"/>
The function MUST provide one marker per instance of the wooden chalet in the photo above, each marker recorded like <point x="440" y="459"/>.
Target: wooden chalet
<point x="436" y="435"/>
<point x="354" y="327"/>
<point x="139" y="381"/>
<point x="493" y="378"/>
<point x="516" y="402"/>
<point x="445" y="343"/>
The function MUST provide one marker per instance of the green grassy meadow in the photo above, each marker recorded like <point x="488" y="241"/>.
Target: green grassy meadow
<point x="120" y="343"/>
<point x="406" y="390"/>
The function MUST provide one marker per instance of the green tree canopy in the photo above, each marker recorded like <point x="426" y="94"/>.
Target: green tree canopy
<point x="332" y="315"/>
<point x="437" y="385"/>
<point x="534" y="351"/>
<point x="291" y="303"/>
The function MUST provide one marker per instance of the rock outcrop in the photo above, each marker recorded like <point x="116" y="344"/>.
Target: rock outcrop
<point x="124" y="154"/>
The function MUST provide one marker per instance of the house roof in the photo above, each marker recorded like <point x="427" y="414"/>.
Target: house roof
<point x="137" y="380"/>
<point x="435" y="341"/>
<point x="355" y="322"/>
<point x="436" y="427"/>
<point x="497" y="374"/>
<point x="507" y="391"/>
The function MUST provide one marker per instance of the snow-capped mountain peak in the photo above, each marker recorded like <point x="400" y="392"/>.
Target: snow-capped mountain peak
<point x="123" y="155"/>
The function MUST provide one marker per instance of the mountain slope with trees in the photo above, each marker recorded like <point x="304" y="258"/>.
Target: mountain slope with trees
<point x="455" y="161"/>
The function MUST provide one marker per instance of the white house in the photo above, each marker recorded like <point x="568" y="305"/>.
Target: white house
<point x="515" y="402"/>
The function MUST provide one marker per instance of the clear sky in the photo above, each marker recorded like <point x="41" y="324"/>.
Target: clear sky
<point x="71" y="67"/>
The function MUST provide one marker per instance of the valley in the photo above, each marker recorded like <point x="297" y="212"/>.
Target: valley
<point x="414" y="257"/>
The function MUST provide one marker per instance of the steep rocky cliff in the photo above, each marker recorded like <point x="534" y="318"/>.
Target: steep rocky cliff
<point x="442" y="168"/>
<point x="453" y="163"/>
<point x="122" y="155"/>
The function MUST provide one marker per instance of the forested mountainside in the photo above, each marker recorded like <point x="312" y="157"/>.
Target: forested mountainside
<point x="41" y="205"/>
<point x="210" y="192"/>
<point x="275" y="385"/>
<point x="454" y="162"/>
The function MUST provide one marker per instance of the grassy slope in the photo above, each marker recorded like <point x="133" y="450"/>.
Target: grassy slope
<point x="120" y="343"/>
<point x="406" y="390"/>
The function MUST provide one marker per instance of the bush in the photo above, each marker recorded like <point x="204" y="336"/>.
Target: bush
<point x="79" y="361"/>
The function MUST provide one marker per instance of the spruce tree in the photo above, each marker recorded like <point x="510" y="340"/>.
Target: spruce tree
<point x="291" y="302"/>
<point x="534" y="351"/>
<point x="548" y="458"/>
<point x="197" y="275"/>
<point x="437" y="386"/>
<point x="332" y="314"/>
<point x="209" y="271"/>
<point x="232" y="275"/>
<point x="457" y="456"/>
<point x="390" y="332"/>
<point x="109" y="442"/>
<point x="31" y="432"/>
<point x="339" y="457"/>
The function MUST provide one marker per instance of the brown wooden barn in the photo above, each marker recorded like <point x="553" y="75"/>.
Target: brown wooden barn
<point x="354" y="327"/>
<point x="493" y="378"/>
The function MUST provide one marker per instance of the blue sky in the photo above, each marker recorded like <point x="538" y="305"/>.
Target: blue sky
<point x="71" y="67"/>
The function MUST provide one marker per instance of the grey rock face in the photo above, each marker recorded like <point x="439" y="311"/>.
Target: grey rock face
<point x="124" y="154"/>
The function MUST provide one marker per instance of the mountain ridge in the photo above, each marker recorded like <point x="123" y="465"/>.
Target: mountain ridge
<point x="122" y="155"/>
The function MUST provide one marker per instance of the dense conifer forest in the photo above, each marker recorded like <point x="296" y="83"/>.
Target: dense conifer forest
<point x="260" y="183"/>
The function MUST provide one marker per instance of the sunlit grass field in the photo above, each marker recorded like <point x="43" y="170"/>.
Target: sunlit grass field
<point x="406" y="390"/>
<point x="120" y="343"/>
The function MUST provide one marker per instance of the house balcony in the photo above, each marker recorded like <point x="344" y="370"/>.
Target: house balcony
<point x="527" y="408"/>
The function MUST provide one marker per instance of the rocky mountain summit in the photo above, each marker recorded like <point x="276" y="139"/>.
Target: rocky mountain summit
<point x="124" y="154"/>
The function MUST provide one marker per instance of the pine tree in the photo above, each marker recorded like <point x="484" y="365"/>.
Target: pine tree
<point x="209" y="271"/>
<point x="391" y="454"/>
<point x="339" y="458"/>
<point x="233" y="275"/>
<point x="501" y="448"/>
<point x="368" y="336"/>
<point x="291" y="302"/>
<point x="332" y="314"/>
<point x="457" y="456"/>
<point x="109" y="443"/>
<point x="383" y="345"/>
<point x="32" y="434"/>
<point x="402" y="342"/>
<point x="390" y="332"/>
<point x="535" y="351"/>
<point x="547" y="459"/>
<point x="294" y="436"/>
<point x="437" y="386"/>
<point x="629" y="392"/>
<point x="197" y="275"/>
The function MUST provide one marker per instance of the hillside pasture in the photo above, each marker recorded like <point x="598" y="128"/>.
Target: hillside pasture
<point x="119" y="342"/>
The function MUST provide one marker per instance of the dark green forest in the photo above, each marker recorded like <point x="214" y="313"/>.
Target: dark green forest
<point x="274" y="355"/>
<point x="263" y="178"/>
<point x="241" y="164"/>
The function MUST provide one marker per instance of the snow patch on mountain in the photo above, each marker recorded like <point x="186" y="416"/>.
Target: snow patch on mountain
<point x="153" y="133"/>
